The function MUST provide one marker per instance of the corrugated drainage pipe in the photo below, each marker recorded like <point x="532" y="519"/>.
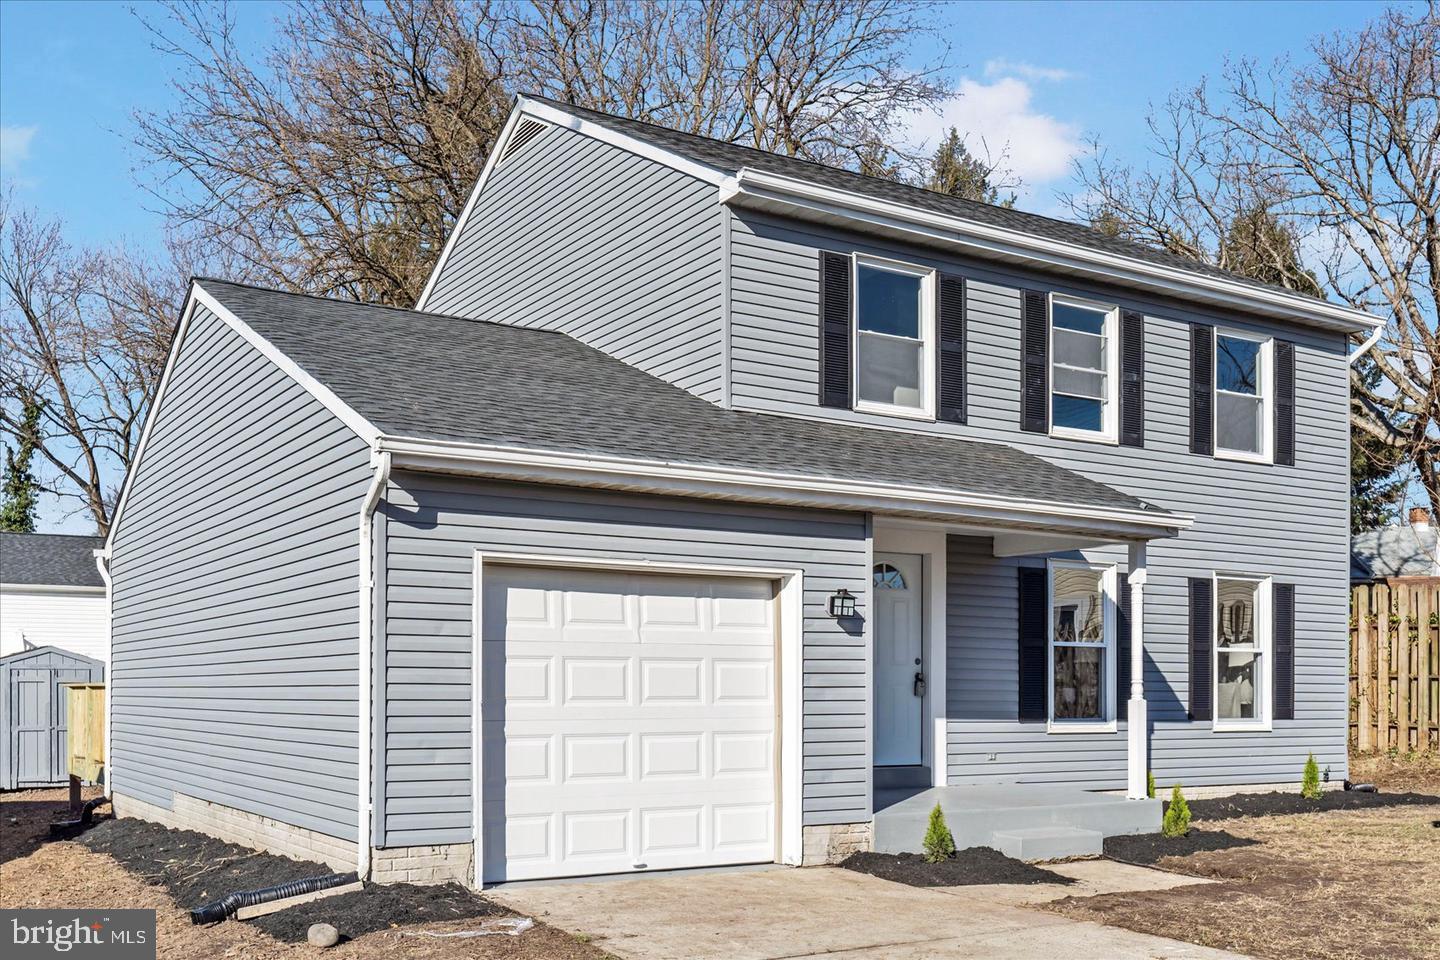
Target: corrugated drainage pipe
<point x="226" y="906"/>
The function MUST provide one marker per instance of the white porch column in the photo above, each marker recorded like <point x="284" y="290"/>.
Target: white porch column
<point x="1139" y="728"/>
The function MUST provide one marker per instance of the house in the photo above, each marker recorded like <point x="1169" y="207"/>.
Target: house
<point x="1395" y="551"/>
<point x="51" y="594"/>
<point x="710" y="497"/>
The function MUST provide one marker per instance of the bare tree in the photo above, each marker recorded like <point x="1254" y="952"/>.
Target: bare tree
<point x="338" y="163"/>
<point x="83" y="340"/>
<point x="1338" y="157"/>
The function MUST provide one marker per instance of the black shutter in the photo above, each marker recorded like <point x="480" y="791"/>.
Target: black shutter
<point x="950" y="358"/>
<point x="1132" y="379"/>
<point x="835" y="282"/>
<point x="1283" y="597"/>
<point x="1285" y="403"/>
<point x="1202" y="389"/>
<point x="1035" y="372"/>
<point x="1034" y="608"/>
<point x="1202" y="639"/>
<point x="1122" y="649"/>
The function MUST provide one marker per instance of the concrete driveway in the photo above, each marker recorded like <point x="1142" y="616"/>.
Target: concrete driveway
<point x="787" y="913"/>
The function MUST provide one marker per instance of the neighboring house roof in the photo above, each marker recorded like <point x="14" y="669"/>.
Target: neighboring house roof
<point x="49" y="559"/>
<point x="1399" y="550"/>
<point x="433" y="377"/>
<point x="730" y="159"/>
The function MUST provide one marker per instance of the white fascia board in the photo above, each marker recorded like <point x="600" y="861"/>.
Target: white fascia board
<point x="199" y="296"/>
<point x="496" y="151"/>
<point x="675" y="479"/>
<point x="753" y="187"/>
<point x="55" y="588"/>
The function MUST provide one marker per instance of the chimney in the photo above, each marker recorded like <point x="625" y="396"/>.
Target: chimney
<point x="1419" y="518"/>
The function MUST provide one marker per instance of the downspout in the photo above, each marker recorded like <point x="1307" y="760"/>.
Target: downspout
<point x="102" y="562"/>
<point x="1364" y="347"/>
<point x="380" y="462"/>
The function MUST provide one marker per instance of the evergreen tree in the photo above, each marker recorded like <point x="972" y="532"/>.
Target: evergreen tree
<point x="1310" y="782"/>
<point x="1177" y="815"/>
<point x="939" y="843"/>
<point x="955" y="171"/>
<point x="21" y="490"/>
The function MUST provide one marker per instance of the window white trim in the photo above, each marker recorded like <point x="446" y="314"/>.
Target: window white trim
<point x="1109" y="611"/>
<point x="1264" y="645"/>
<point x="926" y="409"/>
<point x="1110" y="424"/>
<point x="1266" y="376"/>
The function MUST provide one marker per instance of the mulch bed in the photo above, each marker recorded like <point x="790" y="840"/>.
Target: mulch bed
<point x="1287" y="804"/>
<point x="1147" y="849"/>
<point x="379" y="907"/>
<point x="974" y="865"/>
<point x="196" y="869"/>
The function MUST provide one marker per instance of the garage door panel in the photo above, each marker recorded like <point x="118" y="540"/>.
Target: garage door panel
<point x="629" y="722"/>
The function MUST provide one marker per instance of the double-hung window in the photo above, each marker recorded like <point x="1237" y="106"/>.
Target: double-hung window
<point x="1082" y="645"/>
<point x="1242" y="652"/>
<point x="1083" y="381"/>
<point x="1242" y="396"/>
<point x="894" y="338"/>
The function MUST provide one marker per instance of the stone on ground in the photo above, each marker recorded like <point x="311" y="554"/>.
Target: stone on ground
<point x="322" y="935"/>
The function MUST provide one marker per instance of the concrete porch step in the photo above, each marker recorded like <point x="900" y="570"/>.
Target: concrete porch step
<point x="1048" y="843"/>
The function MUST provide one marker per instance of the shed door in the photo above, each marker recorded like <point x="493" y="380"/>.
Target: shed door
<point x="629" y="722"/>
<point x="35" y="731"/>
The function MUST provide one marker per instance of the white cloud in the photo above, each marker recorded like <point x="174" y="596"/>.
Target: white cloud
<point x="1010" y="68"/>
<point x="15" y="147"/>
<point x="997" y="119"/>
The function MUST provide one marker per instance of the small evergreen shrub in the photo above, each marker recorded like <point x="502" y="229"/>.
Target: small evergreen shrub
<point x="1310" y="783"/>
<point x="1150" y="784"/>
<point x="939" y="844"/>
<point x="1177" y="815"/>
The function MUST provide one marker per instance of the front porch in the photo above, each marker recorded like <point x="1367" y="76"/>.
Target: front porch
<point x="1025" y="821"/>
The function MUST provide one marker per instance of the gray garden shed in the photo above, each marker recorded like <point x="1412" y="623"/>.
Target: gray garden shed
<point x="32" y="707"/>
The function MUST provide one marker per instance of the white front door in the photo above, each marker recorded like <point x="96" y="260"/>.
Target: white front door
<point x="629" y="722"/>
<point x="898" y="598"/>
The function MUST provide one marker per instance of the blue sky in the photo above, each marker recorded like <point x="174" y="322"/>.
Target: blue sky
<point x="1037" y="78"/>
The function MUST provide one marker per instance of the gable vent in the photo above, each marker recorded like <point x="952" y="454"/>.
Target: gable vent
<point x="526" y="130"/>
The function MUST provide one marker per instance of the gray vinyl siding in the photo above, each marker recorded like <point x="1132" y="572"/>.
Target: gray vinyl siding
<point x="1290" y="523"/>
<point x="434" y="525"/>
<point x="234" y="594"/>
<point x="614" y="249"/>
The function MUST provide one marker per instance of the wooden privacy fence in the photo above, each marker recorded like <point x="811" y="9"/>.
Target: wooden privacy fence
<point x="1395" y="665"/>
<point x="85" y="715"/>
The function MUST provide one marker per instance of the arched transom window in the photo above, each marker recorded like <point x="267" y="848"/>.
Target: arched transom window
<point x="886" y="577"/>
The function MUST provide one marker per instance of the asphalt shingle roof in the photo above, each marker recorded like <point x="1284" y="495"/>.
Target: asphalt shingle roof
<point x="434" y="377"/>
<point x="731" y="157"/>
<point x="49" y="559"/>
<point x="1399" y="550"/>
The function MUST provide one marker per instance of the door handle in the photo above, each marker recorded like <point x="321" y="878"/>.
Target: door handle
<point x="919" y="684"/>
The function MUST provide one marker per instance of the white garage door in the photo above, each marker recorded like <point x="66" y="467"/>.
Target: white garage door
<point x="629" y="722"/>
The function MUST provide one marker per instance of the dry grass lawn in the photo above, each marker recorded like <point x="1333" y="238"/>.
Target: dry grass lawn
<point x="1361" y="884"/>
<point x="36" y="872"/>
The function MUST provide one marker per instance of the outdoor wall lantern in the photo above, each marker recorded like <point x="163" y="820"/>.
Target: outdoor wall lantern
<point x="842" y="604"/>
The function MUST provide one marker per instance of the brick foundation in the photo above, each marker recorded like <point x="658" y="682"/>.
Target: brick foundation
<point x="441" y="863"/>
<point x="245" y="829"/>
<point x="833" y="842"/>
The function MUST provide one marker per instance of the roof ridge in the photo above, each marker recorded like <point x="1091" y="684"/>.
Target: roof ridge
<point x="196" y="278"/>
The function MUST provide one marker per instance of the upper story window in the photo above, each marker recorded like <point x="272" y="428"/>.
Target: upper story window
<point x="1242" y="652"/>
<point x="894" y="338"/>
<point x="1082" y="639"/>
<point x="1083" y="359"/>
<point x="1242" y="395"/>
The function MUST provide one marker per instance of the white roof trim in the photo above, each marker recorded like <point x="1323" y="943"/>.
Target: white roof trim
<point x="749" y="186"/>
<point x="52" y="588"/>
<point x="198" y="295"/>
<point x="756" y="187"/>
<point x="663" y="477"/>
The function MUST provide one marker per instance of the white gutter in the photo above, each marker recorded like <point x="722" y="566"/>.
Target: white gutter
<point x="102" y="563"/>
<point x="679" y="479"/>
<point x="760" y="189"/>
<point x="380" y="462"/>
